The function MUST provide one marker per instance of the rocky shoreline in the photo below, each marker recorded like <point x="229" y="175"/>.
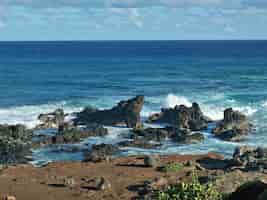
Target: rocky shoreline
<point x="183" y="125"/>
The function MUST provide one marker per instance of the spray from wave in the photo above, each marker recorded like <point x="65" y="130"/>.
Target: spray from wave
<point x="28" y="115"/>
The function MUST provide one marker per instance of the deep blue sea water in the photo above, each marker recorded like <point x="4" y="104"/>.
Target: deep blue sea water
<point x="38" y="77"/>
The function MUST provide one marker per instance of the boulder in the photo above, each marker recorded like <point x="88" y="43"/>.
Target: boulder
<point x="182" y="117"/>
<point x="51" y="120"/>
<point x="250" y="190"/>
<point x="126" y="112"/>
<point x="101" y="152"/>
<point x="233" y="127"/>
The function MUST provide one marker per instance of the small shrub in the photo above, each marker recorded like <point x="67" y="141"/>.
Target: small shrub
<point x="189" y="191"/>
<point x="173" y="167"/>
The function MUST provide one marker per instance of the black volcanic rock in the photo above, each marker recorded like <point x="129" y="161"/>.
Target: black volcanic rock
<point x="233" y="127"/>
<point x="126" y="112"/>
<point x="161" y="134"/>
<point x="182" y="117"/>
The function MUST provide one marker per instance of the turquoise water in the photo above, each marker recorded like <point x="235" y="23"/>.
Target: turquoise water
<point x="38" y="77"/>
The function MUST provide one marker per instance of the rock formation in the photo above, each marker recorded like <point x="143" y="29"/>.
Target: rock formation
<point x="126" y="112"/>
<point x="233" y="127"/>
<point x="182" y="117"/>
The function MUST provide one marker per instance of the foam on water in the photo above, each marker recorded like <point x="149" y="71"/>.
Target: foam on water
<point x="28" y="115"/>
<point x="212" y="106"/>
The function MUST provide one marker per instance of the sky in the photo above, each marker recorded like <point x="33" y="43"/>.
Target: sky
<point x="132" y="19"/>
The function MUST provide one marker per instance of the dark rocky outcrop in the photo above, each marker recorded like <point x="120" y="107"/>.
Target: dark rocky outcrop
<point x="15" y="144"/>
<point x="161" y="134"/>
<point x="72" y="134"/>
<point x="101" y="152"/>
<point x="182" y="117"/>
<point x="51" y="120"/>
<point x="139" y="143"/>
<point x="233" y="127"/>
<point x="126" y="112"/>
<point x="256" y="190"/>
<point x="250" y="159"/>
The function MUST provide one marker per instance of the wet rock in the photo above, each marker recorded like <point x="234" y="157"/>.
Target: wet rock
<point x="126" y="112"/>
<point x="101" y="152"/>
<point x="75" y="134"/>
<point x="162" y="134"/>
<point x="139" y="143"/>
<point x="182" y="117"/>
<point x="250" y="190"/>
<point x="233" y="127"/>
<point x="152" y="134"/>
<point x="51" y="120"/>
<point x="152" y="161"/>
<point x="15" y="144"/>
<point x="192" y="138"/>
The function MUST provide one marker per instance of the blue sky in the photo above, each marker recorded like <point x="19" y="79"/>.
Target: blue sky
<point x="132" y="19"/>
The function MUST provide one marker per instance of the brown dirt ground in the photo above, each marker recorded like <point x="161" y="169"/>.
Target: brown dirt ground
<point x="26" y="182"/>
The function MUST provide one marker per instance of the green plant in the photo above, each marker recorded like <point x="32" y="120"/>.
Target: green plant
<point x="189" y="191"/>
<point x="172" y="167"/>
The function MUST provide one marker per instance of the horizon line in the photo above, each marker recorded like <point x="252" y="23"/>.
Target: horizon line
<point x="139" y="40"/>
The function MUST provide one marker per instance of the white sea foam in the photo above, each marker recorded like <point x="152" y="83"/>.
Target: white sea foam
<point x="28" y="115"/>
<point x="172" y="100"/>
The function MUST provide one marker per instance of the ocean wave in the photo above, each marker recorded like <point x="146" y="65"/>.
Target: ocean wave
<point x="28" y="115"/>
<point x="172" y="100"/>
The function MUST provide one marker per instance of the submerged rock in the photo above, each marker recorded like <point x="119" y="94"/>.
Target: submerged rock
<point x="101" y="152"/>
<point x="233" y="127"/>
<point x="126" y="112"/>
<point x="182" y="117"/>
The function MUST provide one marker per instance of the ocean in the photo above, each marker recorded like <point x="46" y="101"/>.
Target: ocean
<point x="38" y="77"/>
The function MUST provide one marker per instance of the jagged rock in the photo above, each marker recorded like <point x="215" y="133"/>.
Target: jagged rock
<point x="51" y="120"/>
<point x="249" y="190"/>
<point x="233" y="127"/>
<point x="76" y="134"/>
<point x="126" y="112"/>
<point x="15" y="143"/>
<point x="152" y="161"/>
<point x="155" y="134"/>
<point x="161" y="134"/>
<point x="250" y="159"/>
<point x="182" y="117"/>
<point x="101" y="152"/>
